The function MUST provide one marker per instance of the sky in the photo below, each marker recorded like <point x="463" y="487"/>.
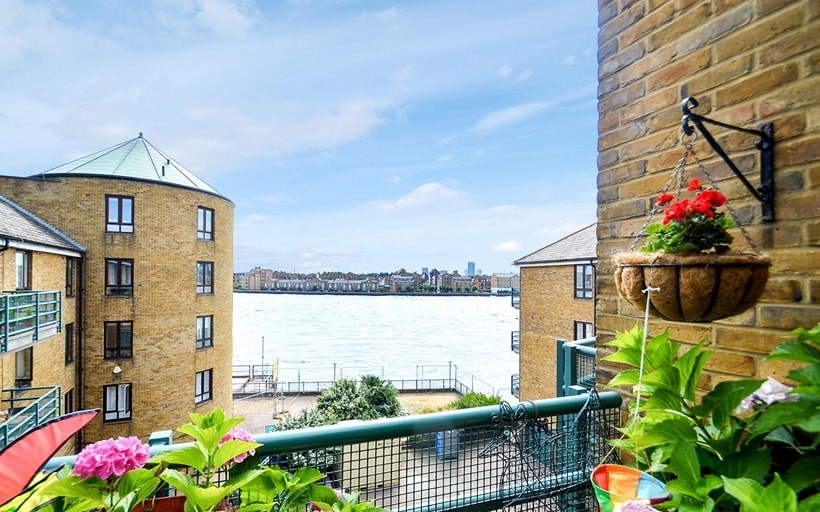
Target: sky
<point x="351" y="135"/>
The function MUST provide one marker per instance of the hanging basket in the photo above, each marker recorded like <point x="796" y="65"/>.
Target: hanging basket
<point x="693" y="287"/>
<point x="614" y="484"/>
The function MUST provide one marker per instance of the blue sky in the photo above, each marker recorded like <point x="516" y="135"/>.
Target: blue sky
<point x="352" y="135"/>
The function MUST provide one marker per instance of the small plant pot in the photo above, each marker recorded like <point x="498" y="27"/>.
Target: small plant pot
<point x="614" y="484"/>
<point x="693" y="287"/>
<point x="163" y="504"/>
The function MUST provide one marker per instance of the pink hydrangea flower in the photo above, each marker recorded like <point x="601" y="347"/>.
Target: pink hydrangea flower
<point x="111" y="457"/>
<point x="238" y="434"/>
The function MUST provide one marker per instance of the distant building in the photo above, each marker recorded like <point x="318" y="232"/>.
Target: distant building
<point x="504" y="282"/>
<point x="557" y="301"/>
<point x="470" y="268"/>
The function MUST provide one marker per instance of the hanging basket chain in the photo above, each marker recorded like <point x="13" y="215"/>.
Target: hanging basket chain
<point x="677" y="178"/>
<point x="677" y="174"/>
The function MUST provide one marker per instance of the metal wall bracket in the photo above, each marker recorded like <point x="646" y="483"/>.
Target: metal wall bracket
<point x="765" y="191"/>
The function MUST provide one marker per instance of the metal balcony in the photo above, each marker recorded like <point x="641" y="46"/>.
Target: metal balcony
<point x="515" y="385"/>
<point x="535" y="456"/>
<point x="515" y="341"/>
<point x="27" y="317"/>
<point x="26" y="409"/>
<point x="515" y="297"/>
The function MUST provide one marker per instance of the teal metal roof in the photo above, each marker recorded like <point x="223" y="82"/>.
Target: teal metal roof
<point x="135" y="159"/>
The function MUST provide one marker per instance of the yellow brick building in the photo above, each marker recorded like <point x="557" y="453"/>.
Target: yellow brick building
<point x="38" y="316"/>
<point x="746" y="63"/>
<point x="155" y="332"/>
<point x="557" y="302"/>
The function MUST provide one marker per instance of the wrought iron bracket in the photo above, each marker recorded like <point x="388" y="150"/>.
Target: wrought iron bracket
<point x="765" y="144"/>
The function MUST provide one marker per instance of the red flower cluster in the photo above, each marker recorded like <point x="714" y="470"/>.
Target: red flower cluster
<point x="703" y="204"/>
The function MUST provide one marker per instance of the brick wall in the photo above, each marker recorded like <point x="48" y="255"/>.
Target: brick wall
<point x="746" y="62"/>
<point x="49" y="367"/>
<point x="164" y="304"/>
<point x="547" y="311"/>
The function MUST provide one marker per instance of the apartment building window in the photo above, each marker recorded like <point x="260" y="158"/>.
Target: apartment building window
<point x="204" y="380"/>
<point x="22" y="260"/>
<point x="69" y="277"/>
<point x="118" y="340"/>
<point x="69" y="343"/>
<point x="117" y="402"/>
<point x="583" y="281"/>
<point x="205" y="223"/>
<point x="68" y="401"/>
<point x="119" y="277"/>
<point x="119" y="214"/>
<point x="583" y="330"/>
<point x="204" y="333"/>
<point x="204" y="277"/>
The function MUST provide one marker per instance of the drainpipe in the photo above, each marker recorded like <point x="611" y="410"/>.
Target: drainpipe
<point x="5" y="245"/>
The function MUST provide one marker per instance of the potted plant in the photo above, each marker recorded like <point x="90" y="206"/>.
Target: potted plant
<point x="687" y="264"/>
<point x="217" y="471"/>
<point x="746" y="444"/>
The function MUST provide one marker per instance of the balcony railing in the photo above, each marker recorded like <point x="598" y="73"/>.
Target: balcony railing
<point x="515" y="385"/>
<point x="575" y="366"/>
<point x="27" y="317"/>
<point x="515" y="341"/>
<point x="27" y="409"/>
<point x="515" y="297"/>
<point x="535" y="456"/>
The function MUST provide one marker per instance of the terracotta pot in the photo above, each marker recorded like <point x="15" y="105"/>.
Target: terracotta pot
<point x="164" y="504"/>
<point x="693" y="287"/>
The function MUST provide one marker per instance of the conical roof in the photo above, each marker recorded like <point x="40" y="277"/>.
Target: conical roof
<point x="136" y="159"/>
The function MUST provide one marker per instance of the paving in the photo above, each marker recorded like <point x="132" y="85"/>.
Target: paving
<point x="266" y="410"/>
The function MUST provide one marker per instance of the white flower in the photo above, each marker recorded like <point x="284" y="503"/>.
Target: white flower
<point x="634" y="506"/>
<point x="768" y="393"/>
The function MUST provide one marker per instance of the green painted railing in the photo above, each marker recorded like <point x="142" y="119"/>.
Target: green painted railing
<point x="28" y="408"/>
<point x="27" y="316"/>
<point x="575" y="369"/>
<point x="471" y="460"/>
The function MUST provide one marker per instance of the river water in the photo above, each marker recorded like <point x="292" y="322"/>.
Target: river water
<point x="317" y="337"/>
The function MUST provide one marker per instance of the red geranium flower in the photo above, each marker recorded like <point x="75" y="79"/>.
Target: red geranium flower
<point x="664" y="198"/>
<point x="694" y="184"/>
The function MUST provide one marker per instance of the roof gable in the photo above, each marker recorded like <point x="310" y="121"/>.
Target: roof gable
<point x="581" y="245"/>
<point x="19" y="225"/>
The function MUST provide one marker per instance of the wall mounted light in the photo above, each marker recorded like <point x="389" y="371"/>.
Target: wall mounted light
<point x="117" y="370"/>
<point x="765" y="192"/>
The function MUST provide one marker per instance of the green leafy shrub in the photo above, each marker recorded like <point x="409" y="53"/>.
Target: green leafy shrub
<point x="743" y="446"/>
<point x="371" y="399"/>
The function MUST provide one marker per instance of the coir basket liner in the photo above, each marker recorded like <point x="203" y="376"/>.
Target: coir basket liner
<point x="693" y="287"/>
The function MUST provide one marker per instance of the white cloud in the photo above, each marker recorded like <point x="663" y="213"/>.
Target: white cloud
<point x="524" y="75"/>
<point x="444" y="158"/>
<point x="504" y="71"/>
<point x="508" y="246"/>
<point x="427" y="195"/>
<point x="570" y="60"/>
<point x="508" y="116"/>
